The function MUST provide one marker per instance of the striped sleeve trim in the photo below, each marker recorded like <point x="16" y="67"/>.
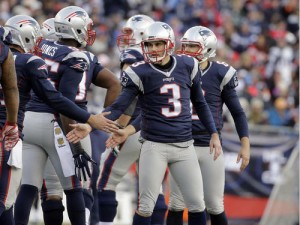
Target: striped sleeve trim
<point x="135" y="78"/>
<point x="195" y="69"/>
<point x="230" y="73"/>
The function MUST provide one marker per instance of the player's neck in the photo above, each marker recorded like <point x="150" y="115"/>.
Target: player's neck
<point x="204" y="65"/>
<point x="166" y="66"/>
<point x="17" y="48"/>
<point x="69" y="42"/>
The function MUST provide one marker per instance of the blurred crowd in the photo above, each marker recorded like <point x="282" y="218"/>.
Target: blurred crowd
<point x="260" y="38"/>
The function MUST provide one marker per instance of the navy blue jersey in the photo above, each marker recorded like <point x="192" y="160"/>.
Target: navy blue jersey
<point x="218" y="84"/>
<point x="165" y="99"/>
<point x="88" y="78"/>
<point x="32" y="75"/>
<point x="67" y="68"/>
<point x="5" y="36"/>
<point x="131" y="56"/>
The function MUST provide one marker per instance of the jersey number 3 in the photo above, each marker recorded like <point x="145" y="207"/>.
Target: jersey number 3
<point x="175" y="89"/>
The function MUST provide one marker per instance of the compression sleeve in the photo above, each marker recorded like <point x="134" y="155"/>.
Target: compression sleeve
<point x="136" y="123"/>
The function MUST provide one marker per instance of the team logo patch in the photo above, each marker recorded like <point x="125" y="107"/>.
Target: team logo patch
<point x="127" y="56"/>
<point x="124" y="80"/>
<point x="43" y="67"/>
<point x="82" y="66"/>
<point x="236" y="81"/>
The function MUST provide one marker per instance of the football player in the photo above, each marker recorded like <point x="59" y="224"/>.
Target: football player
<point x="51" y="193"/>
<point x="33" y="70"/>
<point x="115" y="165"/>
<point x="218" y="84"/>
<point x="165" y="85"/>
<point x="9" y="134"/>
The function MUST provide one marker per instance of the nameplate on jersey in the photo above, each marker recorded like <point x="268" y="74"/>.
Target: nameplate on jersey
<point x="64" y="151"/>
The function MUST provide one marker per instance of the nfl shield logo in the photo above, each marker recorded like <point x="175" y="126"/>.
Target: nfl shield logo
<point x="60" y="141"/>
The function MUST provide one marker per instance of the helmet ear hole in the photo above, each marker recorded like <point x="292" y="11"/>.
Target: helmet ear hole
<point x="27" y="40"/>
<point x="208" y="50"/>
<point x="79" y="31"/>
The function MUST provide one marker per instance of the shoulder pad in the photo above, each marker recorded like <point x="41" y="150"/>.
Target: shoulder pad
<point x="39" y="62"/>
<point x="34" y="57"/>
<point x="131" y="56"/>
<point x="5" y="36"/>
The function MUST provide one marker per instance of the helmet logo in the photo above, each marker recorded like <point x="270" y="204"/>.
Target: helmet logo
<point x="166" y="27"/>
<point x="137" y="18"/>
<point x="205" y="34"/>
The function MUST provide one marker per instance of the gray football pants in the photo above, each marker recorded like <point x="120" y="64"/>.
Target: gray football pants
<point x="213" y="174"/>
<point x="129" y="153"/>
<point x="182" y="161"/>
<point x="38" y="146"/>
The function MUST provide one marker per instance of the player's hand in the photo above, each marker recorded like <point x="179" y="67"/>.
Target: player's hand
<point x="81" y="161"/>
<point x="244" y="154"/>
<point x="80" y="131"/>
<point x="100" y="122"/>
<point x="215" y="145"/>
<point x="116" y="138"/>
<point x="9" y="136"/>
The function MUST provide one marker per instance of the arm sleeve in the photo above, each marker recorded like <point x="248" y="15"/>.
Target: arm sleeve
<point x="131" y="108"/>
<point x="233" y="104"/>
<point x="201" y="105"/>
<point x="136" y="123"/>
<point x="45" y="90"/>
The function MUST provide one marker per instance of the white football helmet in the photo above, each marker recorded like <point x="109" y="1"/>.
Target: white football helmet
<point x="132" y="33"/>
<point x="158" y="31"/>
<point x="73" y="22"/>
<point x="24" y="31"/>
<point x="203" y="37"/>
<point x="48" y="29"/>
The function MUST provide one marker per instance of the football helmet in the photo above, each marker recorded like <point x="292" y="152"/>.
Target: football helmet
<point x="158" y="31"/>
<point x="73" y="22"/>
<point x="132" y="33"/>
<point x="24" y="31"/>
<point x="48" y="29"/>
<point x="202" y="36"/>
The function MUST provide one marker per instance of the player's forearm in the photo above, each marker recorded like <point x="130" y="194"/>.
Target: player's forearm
<point x="10" y="89"/>
<point x="245" y="142"/>
<point x="129" y="130"/>
<point x="123" y="120"/>
<point x="112" y="93"/>
<point x="65" y="123"/>
<point x="11" y="99"/>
